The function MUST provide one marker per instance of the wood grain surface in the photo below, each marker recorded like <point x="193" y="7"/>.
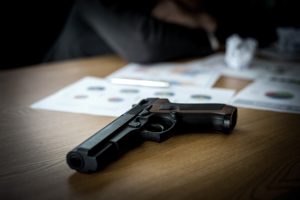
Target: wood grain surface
<point x="260" y="159"/>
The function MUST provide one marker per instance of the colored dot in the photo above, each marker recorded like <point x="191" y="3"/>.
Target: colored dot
<point x="200" y="97"/>
<point x="115" y="99"/>
<point x="279" y="95"/>
<point x="96" y="88"/>
<point x="129" y="91"/>
<point x="169" y="94"/>
<point x="80" y="96"/>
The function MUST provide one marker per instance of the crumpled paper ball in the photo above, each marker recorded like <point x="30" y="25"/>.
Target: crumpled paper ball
<point x="239" y="52"/>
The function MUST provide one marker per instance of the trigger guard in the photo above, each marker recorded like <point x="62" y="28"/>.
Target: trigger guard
<point x="159" y="127"/>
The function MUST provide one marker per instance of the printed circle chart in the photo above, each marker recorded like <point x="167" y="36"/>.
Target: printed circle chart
<point x="279" y="95"/>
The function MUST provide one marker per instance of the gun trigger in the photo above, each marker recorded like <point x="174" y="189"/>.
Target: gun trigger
<point x="173" y="114"/>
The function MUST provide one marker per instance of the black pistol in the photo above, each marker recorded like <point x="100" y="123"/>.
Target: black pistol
<point x="151" y="119"/>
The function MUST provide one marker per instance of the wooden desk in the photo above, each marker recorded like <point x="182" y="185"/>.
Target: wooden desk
<point x="259" y="160"/>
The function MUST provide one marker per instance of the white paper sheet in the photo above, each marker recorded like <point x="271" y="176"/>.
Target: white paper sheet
<point x="184" y="74"/>
<point x="96" y="96"/>
<point x="257" y="69"/>
<point x="271" y="93"/>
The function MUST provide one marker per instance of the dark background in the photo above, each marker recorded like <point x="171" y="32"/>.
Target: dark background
<point x="29" y="28"/>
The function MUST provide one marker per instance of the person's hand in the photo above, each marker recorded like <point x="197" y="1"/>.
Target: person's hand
<point x="170" y="11"/>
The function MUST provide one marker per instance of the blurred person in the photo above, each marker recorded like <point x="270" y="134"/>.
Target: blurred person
<point x="159" y="30"/>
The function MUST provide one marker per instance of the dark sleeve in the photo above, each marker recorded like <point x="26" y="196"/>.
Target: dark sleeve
<point x="138" y="37"/>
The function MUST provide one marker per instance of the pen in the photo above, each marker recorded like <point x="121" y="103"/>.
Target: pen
<point x="139" y="82"/>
